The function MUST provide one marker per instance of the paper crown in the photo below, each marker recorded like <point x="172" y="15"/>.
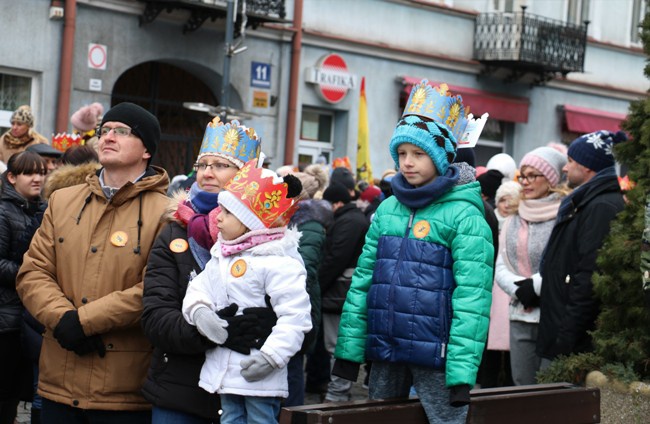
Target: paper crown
<point x="439" y="105"/>
<point x="63" y="141"/>
<point x="263" y="193"/>
<point x="232" y="141"/>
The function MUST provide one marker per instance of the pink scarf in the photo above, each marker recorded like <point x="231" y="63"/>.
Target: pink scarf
<point x="250" y="239"/>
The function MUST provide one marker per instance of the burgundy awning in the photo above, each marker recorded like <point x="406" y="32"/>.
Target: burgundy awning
<point x="499" y="106"/>
<point x="584" y="120"/>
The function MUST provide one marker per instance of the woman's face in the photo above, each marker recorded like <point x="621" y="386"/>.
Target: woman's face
<point x="213" y="172"/>
<point x="27" y="185"/>
<point x="18" y="129"/>
<point x="534" y="183"/>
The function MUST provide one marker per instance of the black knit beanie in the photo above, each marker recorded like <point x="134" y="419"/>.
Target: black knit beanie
<point x="337" y="192"/>
<point x="142" y="122"/>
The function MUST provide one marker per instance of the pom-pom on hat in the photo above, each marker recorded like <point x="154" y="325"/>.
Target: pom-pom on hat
<point x="232" y="141"/>
<point x="23" y="115"/>
<point x="548" y="161"/>
<point x="594" y="150"/>
<point x="142" y="123"/>
<point x="87" y="117"/>
<point x="260" y="198"/>
<point x="503" y="163"/>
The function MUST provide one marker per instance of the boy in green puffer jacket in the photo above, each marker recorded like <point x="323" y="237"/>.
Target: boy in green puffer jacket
<point x="419" y="303"/>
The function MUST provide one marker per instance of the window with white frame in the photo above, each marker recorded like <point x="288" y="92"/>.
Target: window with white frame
<point x="577" y="11"/>
<point x="639" y="9"/>
<point x="316" y="135"/>
<point x="15" y="90"/>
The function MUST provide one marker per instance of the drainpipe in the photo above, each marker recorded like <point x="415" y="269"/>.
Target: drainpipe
<point x="290" y="141"/>
<point x="65" y="70"/>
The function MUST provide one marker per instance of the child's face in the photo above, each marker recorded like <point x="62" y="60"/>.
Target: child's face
<point x="229" y="226"/>
<point x="504" y="205"/>
<point x="416" y="166"/>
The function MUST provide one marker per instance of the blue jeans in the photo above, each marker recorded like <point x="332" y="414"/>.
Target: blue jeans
<point x="249" y="409"/>
<point x="58" y="413"/>
<point x="170" y="416"/>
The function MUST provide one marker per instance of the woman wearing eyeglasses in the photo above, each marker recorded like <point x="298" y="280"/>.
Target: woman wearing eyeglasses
<point x="521" y="243"/>
<point x="180" y="252"/>
<point x="21" y="211"/>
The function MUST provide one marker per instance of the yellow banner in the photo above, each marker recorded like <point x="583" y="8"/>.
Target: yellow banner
<point x="364" y="169"/>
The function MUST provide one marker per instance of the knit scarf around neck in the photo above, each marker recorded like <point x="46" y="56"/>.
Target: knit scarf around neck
<point x="250" y="239"/>
<point x="419" y="197"/>
<point x="201" y="200"/>
<point x="521" y="243"/>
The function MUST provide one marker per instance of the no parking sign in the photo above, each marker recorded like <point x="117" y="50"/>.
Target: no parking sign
<point x="97" y="56"/>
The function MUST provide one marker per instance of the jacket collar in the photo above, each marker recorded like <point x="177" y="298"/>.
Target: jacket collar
<point x="603" y="182"/>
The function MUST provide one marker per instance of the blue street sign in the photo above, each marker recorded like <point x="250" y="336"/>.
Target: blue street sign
<point x="260" y="75"/>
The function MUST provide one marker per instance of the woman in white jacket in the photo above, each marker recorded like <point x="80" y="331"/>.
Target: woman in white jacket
<point x="254" y="262"/>
<point x="521" y="243"/>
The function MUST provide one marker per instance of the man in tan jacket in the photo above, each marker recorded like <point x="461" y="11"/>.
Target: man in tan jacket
<point x="82" y="278"/>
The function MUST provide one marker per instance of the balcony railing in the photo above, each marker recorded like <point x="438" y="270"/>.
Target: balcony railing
<point x="527" y="43"/>
<point x="257" y="11"/>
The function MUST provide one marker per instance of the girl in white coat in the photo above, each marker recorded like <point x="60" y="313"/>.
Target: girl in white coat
<point x="254" y="262"/>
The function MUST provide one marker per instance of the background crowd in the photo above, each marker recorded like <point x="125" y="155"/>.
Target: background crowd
<point x="122" y="300"/>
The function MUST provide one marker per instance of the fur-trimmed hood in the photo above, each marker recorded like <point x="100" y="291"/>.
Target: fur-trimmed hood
<point x="69" y="175"/>
<point x="177" y="198"/>
<point x="313" y="210"/>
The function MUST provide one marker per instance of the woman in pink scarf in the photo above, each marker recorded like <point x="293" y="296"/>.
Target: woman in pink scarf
<point x="521" y="244"/>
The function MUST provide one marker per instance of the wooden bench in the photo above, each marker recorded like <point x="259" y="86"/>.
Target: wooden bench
<point x="560" y="403"/>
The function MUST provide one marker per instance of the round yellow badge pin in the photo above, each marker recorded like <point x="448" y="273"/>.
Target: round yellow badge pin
<point x="119" y="238"/>
<point x="421" y="229"/>
<point x="238" y="268"/>
<point x="178" y="245"/>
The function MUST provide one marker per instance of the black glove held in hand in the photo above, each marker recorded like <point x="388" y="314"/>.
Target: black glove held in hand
<point x="70" y="335"/>
<point x="68" y="331"/>
<point x="459" y="395"/>
<point x="240" y="330"/>
<point x="526" y="293"/>
<point x="265" y="320"/>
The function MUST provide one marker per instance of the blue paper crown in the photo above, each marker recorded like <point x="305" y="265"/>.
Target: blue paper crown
<point x="439" y="105"/>
<point x="232" y="141"/>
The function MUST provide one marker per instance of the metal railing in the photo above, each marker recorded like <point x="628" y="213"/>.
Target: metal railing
<point x="531" y="41"/>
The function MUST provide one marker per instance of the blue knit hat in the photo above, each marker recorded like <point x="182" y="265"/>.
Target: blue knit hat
<point x="594" y="151"/>
<point x="429" y="136"/>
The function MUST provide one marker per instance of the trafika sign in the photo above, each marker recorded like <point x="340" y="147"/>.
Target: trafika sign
<point x="332" y="78"/>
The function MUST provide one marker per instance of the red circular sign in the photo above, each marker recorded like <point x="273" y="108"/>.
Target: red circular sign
<point x="335" y="79"/>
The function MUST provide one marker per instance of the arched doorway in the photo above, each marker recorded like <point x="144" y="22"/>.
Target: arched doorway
<point x="162" y="88"/>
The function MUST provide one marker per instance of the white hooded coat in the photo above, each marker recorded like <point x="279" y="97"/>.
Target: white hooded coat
<point x="274" y="268"/>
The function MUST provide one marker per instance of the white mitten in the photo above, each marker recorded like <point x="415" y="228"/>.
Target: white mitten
<point x="256" y="367"/>
<point x="210" y="325"/>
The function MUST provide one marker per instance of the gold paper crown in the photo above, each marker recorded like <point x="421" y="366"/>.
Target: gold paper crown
<point x="438" y="104"/>
<point x="63" y="141"/>
<point x="264" y="193"/>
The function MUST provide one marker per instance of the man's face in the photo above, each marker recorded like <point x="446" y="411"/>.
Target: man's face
<point x="50" y="164"/>
<point x="120" y="150"/>
<point x="576" y="174"/>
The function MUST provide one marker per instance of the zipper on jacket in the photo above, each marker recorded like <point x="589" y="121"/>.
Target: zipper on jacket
<point x="391" y="296"/>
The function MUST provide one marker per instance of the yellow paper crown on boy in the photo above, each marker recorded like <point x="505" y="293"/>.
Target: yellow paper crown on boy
<point x="441" y="106"/>
<point x="260" y="198"/>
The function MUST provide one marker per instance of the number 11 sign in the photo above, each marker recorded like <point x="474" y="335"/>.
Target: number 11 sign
<point x="260" y="75"/>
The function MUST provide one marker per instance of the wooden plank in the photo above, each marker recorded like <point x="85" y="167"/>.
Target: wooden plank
<point x="558" y="403"/>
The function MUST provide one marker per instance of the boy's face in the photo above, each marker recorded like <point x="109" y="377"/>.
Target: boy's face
<point x="416" y="166"/>
<point x="229" y="226"/>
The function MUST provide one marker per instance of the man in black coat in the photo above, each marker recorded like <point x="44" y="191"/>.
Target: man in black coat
<point x="343" y="245"/>
<point x="568" y="306"/>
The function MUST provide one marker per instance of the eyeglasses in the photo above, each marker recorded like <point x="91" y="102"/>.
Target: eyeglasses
<point x="528" y="178"/>
<point x="118" y="131"/>
<point x="218" y="166"/>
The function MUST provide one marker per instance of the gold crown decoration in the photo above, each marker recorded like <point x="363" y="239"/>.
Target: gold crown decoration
<point x="264" y="193"/>
<point x="231" y="140"/>
<point x="63" y="141"/>
<point x="441" y="106"/>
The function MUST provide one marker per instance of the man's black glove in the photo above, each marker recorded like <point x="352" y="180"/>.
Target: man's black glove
<point x="70" y="335"/>
<point x="265" y="320"/>
<point x="249" y="330"/>
<point x="526" y="293"/>
<point x="459" y="395"/>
